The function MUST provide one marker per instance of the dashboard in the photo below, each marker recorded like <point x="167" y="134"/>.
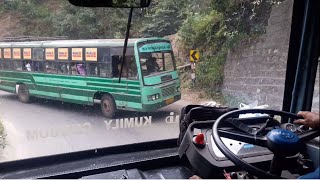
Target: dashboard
<point x="209" y="161"/>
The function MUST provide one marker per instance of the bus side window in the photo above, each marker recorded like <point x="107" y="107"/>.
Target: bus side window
<point x="63" y="68"/>
<point x="105" y="68"/>
<point x="38" y="66"/>
<point x="17" y="65"/>
<point x="1" y="64"/>
<point x="38" y="56"/>
<point x="92" y="69"/>
<point x="115" y="62"/>
<point x="78" y="68"/>
<point x="132" y="67"/>
<point x="51" y="67"/>
<point x="7" y="64"/>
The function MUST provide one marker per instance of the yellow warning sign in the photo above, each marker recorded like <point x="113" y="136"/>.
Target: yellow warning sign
<point x="194" y="55"/>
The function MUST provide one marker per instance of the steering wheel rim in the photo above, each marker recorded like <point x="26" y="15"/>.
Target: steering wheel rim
<point x="230" y="155"/>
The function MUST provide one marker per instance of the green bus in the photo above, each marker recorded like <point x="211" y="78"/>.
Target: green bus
<point x="87" y="72"/>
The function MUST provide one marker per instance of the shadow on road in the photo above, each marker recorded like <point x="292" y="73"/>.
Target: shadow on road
<point x="84" y="110"/>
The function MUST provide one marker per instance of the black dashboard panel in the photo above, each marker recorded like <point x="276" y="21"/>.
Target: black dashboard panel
<point x="174" y="172"/>
<point x="209" y="160"/>
<point x="152" y="159"/>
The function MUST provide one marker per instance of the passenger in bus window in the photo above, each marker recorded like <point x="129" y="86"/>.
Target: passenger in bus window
<point x="93" y="69"/>
<point x="132" y="68"/>
<point x="39" y="66"/>
<point x="28" y="66"/>
<point x="124" y="69"/>
<point x="74" y="69"/>
<point x="81" y="69"/>
<point x="63" y="68"/>
<point x="115" y="69"/>
<point x="152" y="65"/>
<point x="50" y="67"/>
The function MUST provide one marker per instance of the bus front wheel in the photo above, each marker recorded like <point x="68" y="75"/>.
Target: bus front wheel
<point x="23" y="94"/>
<point x="108" y="106"/>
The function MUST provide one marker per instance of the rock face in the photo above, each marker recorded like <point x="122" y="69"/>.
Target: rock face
<point x="256" y="69"/>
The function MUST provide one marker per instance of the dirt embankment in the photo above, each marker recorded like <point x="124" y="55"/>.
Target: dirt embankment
<point x="9" y="25"/>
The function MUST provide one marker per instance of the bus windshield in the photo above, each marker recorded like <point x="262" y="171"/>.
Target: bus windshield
<point x="156" y="59"/>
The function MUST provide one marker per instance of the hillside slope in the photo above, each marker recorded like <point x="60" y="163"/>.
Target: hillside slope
<point x="9" y="25"/>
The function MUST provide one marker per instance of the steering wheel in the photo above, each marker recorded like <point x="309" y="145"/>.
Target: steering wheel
<point x="281" y="142"/>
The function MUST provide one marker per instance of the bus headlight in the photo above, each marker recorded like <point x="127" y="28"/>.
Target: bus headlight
<point x="154" y="97"/>
<point x="178" y="89"/>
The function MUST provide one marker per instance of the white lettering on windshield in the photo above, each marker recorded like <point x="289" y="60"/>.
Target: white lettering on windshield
<point x="112" y="124"/>
<point x="123" y="123"/>
<point x="54" y="132"/>
<point x="172" y="119"/>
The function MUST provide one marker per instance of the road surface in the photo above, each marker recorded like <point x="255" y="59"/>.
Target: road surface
<point x="46" y="127"/>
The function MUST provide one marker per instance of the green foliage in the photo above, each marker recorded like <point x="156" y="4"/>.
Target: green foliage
<point x="209" y="73"/>
<point x="90" y="23"/>
<point x="164" y="18"/>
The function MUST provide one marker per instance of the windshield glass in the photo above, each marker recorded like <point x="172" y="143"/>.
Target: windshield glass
<point x="60" y="67"/>
<point x="156" y="59"/>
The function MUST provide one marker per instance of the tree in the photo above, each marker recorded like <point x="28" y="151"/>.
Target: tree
<point x="164" y="18"/>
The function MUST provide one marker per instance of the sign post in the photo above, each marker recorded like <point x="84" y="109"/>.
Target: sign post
<point x="194" y="57"/>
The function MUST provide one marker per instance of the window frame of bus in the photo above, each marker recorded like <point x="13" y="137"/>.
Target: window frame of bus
<point x="88" y="63"/>
<point x="64" y="61"/>
<point x="100" y="61"/>
<point x="53" y="61"/>
<point x="25" y="61"/>
<point x="7" y="61"/>
<point x="36" y="61"/>
<point x="77" y="61"/>
<point x="14" y="60"/>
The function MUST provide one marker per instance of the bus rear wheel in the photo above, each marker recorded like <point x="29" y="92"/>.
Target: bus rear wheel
<point x="23" y="94"/>
<point x="108" y="106"/>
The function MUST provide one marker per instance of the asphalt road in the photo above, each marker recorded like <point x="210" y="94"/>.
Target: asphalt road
<point x="46" y="127"/>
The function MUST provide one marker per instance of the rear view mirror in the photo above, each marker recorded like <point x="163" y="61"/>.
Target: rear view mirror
<point x="112" y="3"/>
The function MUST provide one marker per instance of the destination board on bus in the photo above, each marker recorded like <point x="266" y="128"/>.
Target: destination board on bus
<point x="7" y="53"/>
<point x="27" y="53"/>
<point x="91" y="54"/>
<point x="77" y="54"/>
<point x="63" y="53"/>
<point x="50" y="54"/>
<point x="16" y="53"/>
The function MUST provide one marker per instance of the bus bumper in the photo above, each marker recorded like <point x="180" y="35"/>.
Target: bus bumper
<point x="153" y="107"/>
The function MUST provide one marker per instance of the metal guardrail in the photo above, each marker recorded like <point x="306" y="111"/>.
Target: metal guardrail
<point x="184" y="66"/>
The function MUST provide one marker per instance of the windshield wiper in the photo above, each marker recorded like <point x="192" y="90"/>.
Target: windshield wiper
<point x="123" y="59"/>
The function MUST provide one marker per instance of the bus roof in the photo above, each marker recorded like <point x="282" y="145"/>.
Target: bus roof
<point x="76" y="43"/>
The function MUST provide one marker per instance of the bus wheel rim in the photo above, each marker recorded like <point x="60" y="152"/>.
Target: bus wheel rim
<point x="24" y="93"/>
